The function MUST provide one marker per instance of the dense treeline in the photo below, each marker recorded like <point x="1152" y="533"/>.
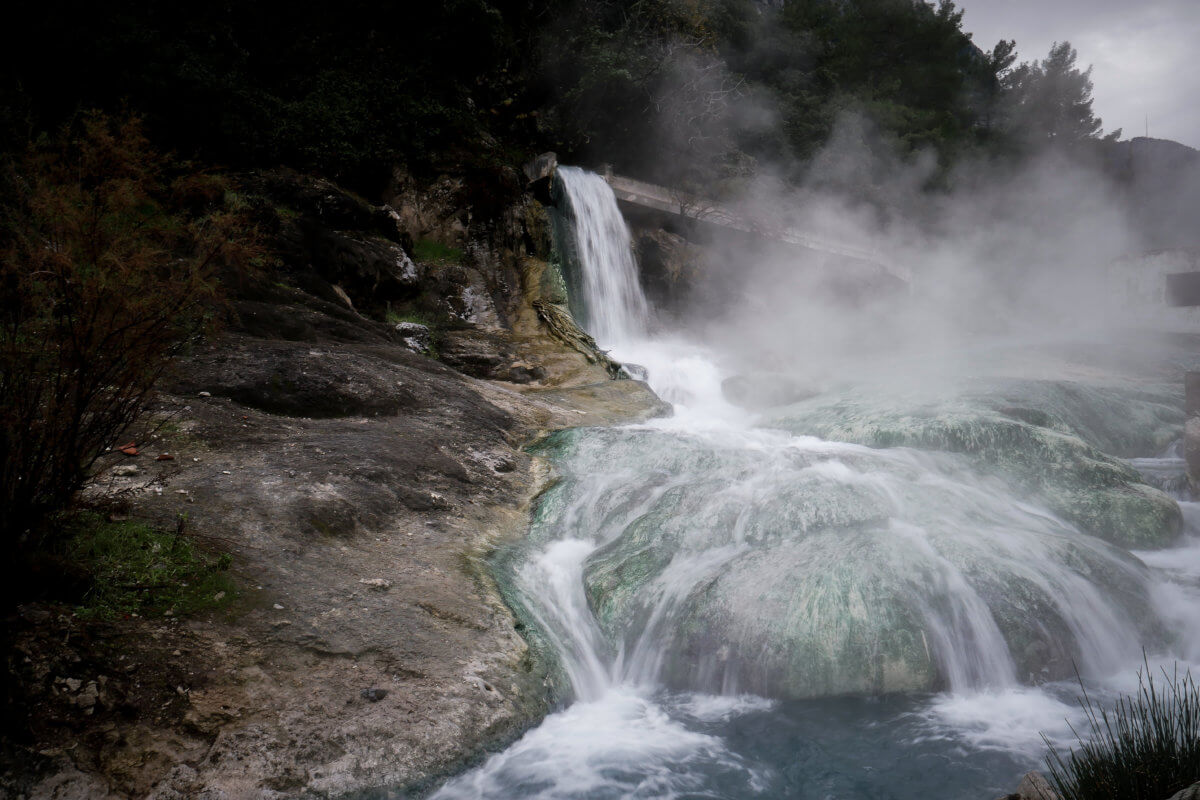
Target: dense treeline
<point x="344" y="87"/>
<point x="682" y="90"/>
<point x="116" y="119"/>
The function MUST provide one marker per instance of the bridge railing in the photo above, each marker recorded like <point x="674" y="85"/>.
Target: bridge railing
<point x="672" y="201"/>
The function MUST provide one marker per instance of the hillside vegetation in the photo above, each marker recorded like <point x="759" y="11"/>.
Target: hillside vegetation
<point x="692" y="91"/>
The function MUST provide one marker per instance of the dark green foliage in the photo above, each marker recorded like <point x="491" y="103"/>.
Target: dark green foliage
<point x="343" y="88"/>
<point x="430" y="250"/>
<point x="134" y="567"/>
<point x="700" y="91"/>
<point x="1049" y="102"/>
<point x="642" y="84"/>
<point x="694" y="93"/>
<point x="1146" y="748"/>
<point x="907" y="65"/>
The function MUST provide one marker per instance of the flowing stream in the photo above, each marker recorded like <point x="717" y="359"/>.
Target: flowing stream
<point x="739" y="608"/>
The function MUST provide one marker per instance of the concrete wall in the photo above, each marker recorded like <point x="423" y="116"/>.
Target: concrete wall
<point x="1139" y="289"/>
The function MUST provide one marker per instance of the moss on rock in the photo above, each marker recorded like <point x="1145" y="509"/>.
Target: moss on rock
<point x="1043" y="437"/>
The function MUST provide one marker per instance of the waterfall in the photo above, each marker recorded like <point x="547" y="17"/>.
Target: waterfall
<point x="686" y="568"/>
<point x="625" y="559"/>
<point x="612" y="307"/>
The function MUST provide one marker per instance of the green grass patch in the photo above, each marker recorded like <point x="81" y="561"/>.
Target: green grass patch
<point x="1147" y="747"/>
<point x="421" y="318"/>
<point x="430" y="250"/>
<point x="286" y="212"/>
<point x="138" y="568"/>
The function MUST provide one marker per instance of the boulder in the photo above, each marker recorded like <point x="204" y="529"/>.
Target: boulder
<point x="414" y="336"/>
<point x="541" y="167"/>
<point x="1190" y="793"/>
<point x="365" y="266"/>
<point x="1033" y="786"/>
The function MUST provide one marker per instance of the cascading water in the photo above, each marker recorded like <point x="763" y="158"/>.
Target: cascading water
<point x="685" y="568"/>
<point x="612" y="307"/>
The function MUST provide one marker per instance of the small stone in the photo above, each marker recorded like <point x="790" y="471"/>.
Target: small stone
<point x="73" y="684"/>
<point x="373" y="695"/>
<point x="219" y="596"/>
<point x="376" y="583"/>
<point x="177" y="653"/>
<point x="206" y="394"/>
<point x="125" y="470"/>
<point x="414" y="336"/>
<point x="278" y="607"/>
<point x="226" y="472"/>
<point x="88" y="697"/>
<point x="1034" y="786"/>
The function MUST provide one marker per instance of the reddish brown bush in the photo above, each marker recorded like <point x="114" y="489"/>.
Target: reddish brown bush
<point x="109" y="257"/>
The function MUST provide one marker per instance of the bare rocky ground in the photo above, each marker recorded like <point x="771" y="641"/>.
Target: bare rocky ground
<point x="359" y="488"/>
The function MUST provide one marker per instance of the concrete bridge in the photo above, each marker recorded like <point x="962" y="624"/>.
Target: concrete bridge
<point x="635" y="194"/>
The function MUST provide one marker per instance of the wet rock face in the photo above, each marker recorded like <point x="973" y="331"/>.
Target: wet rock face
<point x="334" y="245"/>
<point x="460" y="294"/>
<point x="1053" y="441"/>
<point x="668" y="266"/>
<point x="815" y="569"/>
<point x="365" y="265"/>
<point x="322" y="380"/>
<point x="325" y="203"/>
<point x="484" y="354"/>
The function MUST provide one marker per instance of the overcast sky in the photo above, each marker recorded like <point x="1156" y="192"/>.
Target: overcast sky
<point x="1145" y="55"/>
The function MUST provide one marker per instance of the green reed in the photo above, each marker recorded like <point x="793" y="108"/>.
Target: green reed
<point x="1146" y="747"/>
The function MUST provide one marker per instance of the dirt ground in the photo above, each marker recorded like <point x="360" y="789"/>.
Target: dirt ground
<point x="359" y="488"/>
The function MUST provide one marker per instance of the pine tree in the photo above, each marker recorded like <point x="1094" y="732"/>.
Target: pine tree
<point x="1050" y="101"/>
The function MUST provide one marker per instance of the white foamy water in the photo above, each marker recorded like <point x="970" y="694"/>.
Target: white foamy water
<point x="1011" y="720"/>
<point x="955" y="539"/>
<point x="621" y="744"/>
<point x="720" y="708"/>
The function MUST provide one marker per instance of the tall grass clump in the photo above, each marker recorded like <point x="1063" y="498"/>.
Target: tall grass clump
<point x="1147" y="747"/>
